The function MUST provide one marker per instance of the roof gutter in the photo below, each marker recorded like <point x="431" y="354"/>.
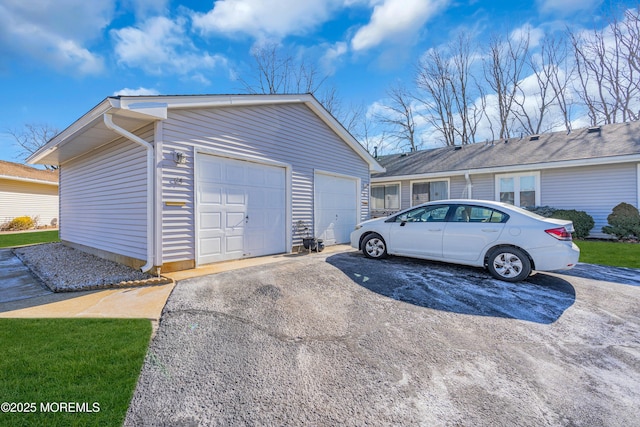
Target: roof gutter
<point x="108" y="121"/>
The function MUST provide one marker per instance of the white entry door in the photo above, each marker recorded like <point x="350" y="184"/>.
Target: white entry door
<point x="241" y="209"/>
<point x="336" y="207"/>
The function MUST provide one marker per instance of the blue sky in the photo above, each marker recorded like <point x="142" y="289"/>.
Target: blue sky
<point x="62" y="57"/>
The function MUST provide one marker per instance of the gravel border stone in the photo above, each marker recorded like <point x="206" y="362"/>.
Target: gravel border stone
<point x="65" y="269"/>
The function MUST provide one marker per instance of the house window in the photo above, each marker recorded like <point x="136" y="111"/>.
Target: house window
<point x="385" y="196"/>
<point x="422" y="192"/>
<point x="519" y="189"/>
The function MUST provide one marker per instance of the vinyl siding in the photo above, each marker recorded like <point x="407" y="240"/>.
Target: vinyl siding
<point x="103" y="198"/>
<point x="483" y="187"/>
<point x="290" y="134"/>
<point x="593" y="189"/>
<point x="19" y="198"/>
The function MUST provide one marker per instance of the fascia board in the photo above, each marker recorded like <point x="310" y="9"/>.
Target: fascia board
<point x="32" y="180"/>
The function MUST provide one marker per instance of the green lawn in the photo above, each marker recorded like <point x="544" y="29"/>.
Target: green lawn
<point x="30" y="238"/>
<point x="94" y="363"/>
<point x="615" y="254"/>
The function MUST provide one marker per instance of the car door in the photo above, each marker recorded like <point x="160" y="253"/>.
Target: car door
<point x="418" y="232"/>
<point x="470" y="230"/>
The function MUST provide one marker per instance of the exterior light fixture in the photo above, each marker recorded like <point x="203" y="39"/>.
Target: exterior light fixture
<point x="179" y="157"/>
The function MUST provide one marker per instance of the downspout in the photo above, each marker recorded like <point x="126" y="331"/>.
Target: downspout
<point x="108" y="121"/>
<point x="467" y="177"/>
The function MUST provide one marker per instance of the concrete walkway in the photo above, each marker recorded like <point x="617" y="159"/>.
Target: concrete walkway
<point x="22" y="295"/>
<point x="16" y="281"/>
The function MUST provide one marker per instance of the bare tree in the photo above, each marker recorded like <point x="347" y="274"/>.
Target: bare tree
<point x="607" y="70"/>
<point x="465" y="88"/>
<point x="31" y="137"/>
<point x="398" y="115"/>
<point x="531" y="110"/>
<point x="503" y="73"/>
<point x="435" y="80"/>
<point x="560" y="73"/>
<point x="277" y="71"/>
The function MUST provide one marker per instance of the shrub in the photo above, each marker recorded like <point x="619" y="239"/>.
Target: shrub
<point x="19" y="223"/>
<point x="583" y="223"/>
<point x="624" y="222"/>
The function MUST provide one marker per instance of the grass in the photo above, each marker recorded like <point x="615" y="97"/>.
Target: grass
<point x="48" y="361"/>
<point x="20" y="239"/>
<point x="615" y="254"/>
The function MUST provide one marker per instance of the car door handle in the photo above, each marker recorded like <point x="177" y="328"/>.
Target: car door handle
<point x="435" y="229"/>
<point x="490" y="230"/>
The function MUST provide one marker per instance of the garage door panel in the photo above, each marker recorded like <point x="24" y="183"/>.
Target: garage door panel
<point x="210" y="246"/>
<point x="249" y="200"/>
<point x="235" y="196"/>
<point x="336" y="207"/>
<point x="211" y="221"/>
<point x="210" y="194"/>
<point x="234" y="244"/>
<point x="211" y="173"/>
<point x="234" y="173"/>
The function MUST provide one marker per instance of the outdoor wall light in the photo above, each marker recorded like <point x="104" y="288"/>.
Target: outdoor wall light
<point x="179" y="158"/>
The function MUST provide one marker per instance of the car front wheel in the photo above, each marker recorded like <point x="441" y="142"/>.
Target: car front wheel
<point x="509" y="264"/>
<point x="374" y="246"/>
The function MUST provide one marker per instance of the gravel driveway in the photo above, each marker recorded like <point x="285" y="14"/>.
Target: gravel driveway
<point x="342" y="340"/>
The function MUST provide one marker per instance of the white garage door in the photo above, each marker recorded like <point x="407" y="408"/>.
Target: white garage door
<point x="336" y="207"/>
<point x="241" y="209"/>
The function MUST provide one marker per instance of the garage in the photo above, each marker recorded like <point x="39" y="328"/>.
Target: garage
<point x="241" y="209"/>
<point x="336" y="207"/>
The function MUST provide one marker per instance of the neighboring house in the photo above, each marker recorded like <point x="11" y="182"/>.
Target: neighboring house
<point x="180" y="181"/>
<point x="591" y="169"/>
<point x="26" y="191"/>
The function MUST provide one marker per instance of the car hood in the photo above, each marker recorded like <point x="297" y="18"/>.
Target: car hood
<point x="371" y="221"/>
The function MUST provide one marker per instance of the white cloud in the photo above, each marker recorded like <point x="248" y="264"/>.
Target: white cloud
<point x="160" y="45"/>
<point x="393" y="20"/>
<point x="54" y="33"/>
<point x="332" y="56"/>
<point x="146" y="8"/>
<point x="535" y="34"/>
<point x="566" y="7"/>
<point x="135" y="92"/>
<point x="265" y="18"/>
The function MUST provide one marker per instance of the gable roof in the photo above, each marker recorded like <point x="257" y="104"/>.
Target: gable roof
<point x="133" y="112"/>
<point x="18" y="172"/>
<point x="606" y="144"/>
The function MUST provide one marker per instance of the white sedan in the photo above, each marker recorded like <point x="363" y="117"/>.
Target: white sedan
<point x="509" y="241"/>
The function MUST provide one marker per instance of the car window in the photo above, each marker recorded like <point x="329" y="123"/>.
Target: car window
<point x="466" y="213"/>
<point x="436" y="213"/>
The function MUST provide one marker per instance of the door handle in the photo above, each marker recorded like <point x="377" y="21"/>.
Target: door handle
<point x="435" y="229"/>
<point x="490" y="230"/>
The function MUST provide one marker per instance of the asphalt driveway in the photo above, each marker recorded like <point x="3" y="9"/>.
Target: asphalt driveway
<point x="338" y="339"/>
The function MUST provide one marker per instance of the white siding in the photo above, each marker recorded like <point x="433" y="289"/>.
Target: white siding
<point x="291" y="134"/>
<point x="103" y="198"/>
<point x="593" y="189"/>
<point x="19" y="198"/>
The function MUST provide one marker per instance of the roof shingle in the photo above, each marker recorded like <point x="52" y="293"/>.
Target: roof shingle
<point x="22" y="171"/>
<point x="609" y="141"/>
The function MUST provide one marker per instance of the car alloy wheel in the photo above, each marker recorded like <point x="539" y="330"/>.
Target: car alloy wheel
<point x="509" y="264"/>
<point x="374" y="247"/>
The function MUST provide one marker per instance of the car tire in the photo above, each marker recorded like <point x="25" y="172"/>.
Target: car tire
<point x="509" y="264"/>
<point x="374" y="246"/>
